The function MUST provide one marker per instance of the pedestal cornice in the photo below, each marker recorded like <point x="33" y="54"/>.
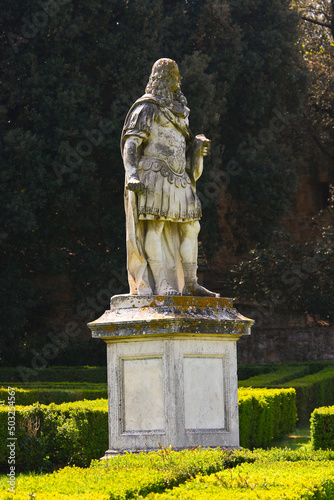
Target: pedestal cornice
<point x="154" y="315"/>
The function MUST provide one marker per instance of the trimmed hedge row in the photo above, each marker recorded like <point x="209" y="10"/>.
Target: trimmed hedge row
<point x="47" y="392"/>
<point x="130" y="475"/>
<point x="322" y="428"/>
<point x="265" y="414"/>
<point x="98" y="374"/>
<point x="56" y="435"/>
<point x="124" y="477"/>
<point x="287" y="480"/>
<point x="282" y="374"/>
<point x="247" y="371"/>
<point x="75" y="433"/>
<point x="313" y="391"/>
<point x="93" y="374"/>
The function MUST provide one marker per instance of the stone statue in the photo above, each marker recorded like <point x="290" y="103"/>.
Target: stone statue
<point x="162" y="163"/>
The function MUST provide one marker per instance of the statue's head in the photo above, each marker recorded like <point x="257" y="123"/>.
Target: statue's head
<point x="165" y="81"/>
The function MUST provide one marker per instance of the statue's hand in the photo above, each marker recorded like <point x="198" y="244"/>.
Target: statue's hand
<point x="205" y="151"/>
<point x="135" y="185"/>
<point x="206" y="143"/>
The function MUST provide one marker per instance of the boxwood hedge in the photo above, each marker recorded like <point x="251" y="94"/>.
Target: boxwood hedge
<point x="322" y="428"/>
<point x="314" y="386"/>
<point x="50" y="392"/>
<point x="291" y="481"/>
<point x="74" y="433"/>
<point x="269" y="474"/>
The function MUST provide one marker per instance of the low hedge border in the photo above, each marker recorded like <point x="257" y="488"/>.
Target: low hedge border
<point x="322" y="428"/>
<point x="93" y="374"/>
<point x="245" y="372"/>
<point x="124" y="477"/>
<point x="48" y="392"/>
<point x="287" y="480"/>
<point x="282" y="374"/>
<point x="313" y="391"/>
<point x="98" y="374"/>
<point x="56" y="435"/>
<point x="75" y="433"/>
<point x="264" y="415"/>
<point x="131" y="475"/>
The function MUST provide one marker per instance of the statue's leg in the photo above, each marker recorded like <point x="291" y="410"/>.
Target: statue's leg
<point x="188" y="251"/>
<point x="153" y="249"/>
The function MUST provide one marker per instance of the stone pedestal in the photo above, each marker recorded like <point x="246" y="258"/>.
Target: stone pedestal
<point x="172" y="371"/>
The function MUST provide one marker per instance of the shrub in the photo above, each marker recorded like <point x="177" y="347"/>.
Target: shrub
<point x="262" y="474"/>
<point x="281" y="374"/>
<point x="123" y="476"/>
<point x="265" y="414"/>
<point x="287" y="480"/>
<point x="56" y="435"/>
<point x="48" y="392"/>
<point x="322" y="428"/>
<point x="93" y="374"/>
<point x="313" y="391"/>
<point x="314" y="386"/>
<point x="75" y="433"/>
<point x="247" y="371"/>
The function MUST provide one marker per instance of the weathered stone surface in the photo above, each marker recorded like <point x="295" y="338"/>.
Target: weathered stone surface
<point x="172" y="371"/>
<point x="287" y="344"/>
<point x="162" y="162"/>
<point x="133" y="315"/>
<point x="143" y="394"/>
<point x="204" y="403"/>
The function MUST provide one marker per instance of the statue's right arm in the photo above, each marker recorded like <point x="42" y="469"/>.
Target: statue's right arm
<point x="131" y="160"/>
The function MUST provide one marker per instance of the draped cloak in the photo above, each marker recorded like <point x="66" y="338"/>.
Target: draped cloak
<point x="169" y="193"/>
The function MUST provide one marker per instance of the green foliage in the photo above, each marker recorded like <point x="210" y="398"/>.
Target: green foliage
<point x="298" y="276"/>
<point x="75" y="433"/>
<point x="322" y="428"/>
<point x="313" y="391"/>
<point x="313" y="388"/>
<point x="286" y="480"/>
<point x="282" y="373"/>
<point x="247" y="371"/>
<point x="61" y="173"/>
<point x="90" y="374"/>
<point x="145" y="475"/>
<point x="286" y="455"/>
<point x="49" y="392"/>
<point x="264" y="415"/>
<point x="125" y="476"/>
<point x="316" y="43"/>
<point x="56" y="435"/>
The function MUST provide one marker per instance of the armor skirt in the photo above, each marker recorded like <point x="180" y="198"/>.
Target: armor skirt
<point x="167" y="195"/>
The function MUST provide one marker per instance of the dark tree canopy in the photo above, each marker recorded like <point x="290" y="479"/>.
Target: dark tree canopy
<point x="70" y="70"/>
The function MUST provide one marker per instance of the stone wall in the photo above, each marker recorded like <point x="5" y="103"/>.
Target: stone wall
<point x="283" y="345"/>
<point x="284" y="337"/>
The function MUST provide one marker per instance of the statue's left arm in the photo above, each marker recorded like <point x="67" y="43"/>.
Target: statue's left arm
<point x="199" y="148"/>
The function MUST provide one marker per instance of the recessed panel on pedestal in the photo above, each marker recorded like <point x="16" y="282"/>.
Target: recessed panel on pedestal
<point x="204" y="403"/>
<point x="143" y="398"/>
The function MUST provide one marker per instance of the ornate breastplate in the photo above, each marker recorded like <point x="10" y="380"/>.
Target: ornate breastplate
<point x="166" y="143"/>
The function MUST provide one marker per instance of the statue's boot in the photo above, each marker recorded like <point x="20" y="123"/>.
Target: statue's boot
<point x="161" y="284"/>
<point x="191" y="287"/>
